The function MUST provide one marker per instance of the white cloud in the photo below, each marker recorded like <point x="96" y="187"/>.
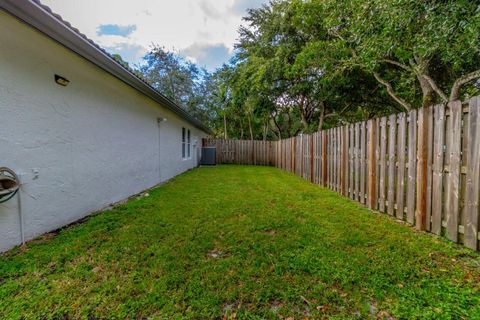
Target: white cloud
<point x="131" y="53"/>
<point x="180" y="25"/>
<point x="206" y="55"/>
<point x="209" y="10"/>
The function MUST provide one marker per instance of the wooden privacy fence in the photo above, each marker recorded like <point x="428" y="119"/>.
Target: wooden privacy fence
<point x="422" y="166"/>
<point x="243" y="151"/>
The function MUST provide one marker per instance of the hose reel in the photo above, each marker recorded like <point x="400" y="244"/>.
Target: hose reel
<point x="9" y="184"/>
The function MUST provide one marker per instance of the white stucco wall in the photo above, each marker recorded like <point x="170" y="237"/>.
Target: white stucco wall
<point x="77" y="148"/>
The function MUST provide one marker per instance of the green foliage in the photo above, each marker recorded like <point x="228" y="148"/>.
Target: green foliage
<point x="406" y="39"/>
<point x="302" y="66"/>
<point x="253" y="241"/>
<point x="120" y="60"/>
<point x="301" y="63"/>
<point x="179" y="80"/>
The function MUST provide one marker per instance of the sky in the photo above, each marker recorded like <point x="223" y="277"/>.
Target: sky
<point x="203" y="31"/>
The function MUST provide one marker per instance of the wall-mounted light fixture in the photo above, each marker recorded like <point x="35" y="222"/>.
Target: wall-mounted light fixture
<point x="61" y="80"/>
<point x="161" y="119"/>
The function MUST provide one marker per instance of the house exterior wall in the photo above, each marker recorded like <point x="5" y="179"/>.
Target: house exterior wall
<point x="78" y="148"/>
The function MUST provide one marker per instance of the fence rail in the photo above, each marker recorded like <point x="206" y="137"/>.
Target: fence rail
<point x="422" y="167"/>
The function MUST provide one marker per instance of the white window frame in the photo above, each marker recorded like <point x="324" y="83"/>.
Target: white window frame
<point x="189" y="143"/>
<point x="184" y="134"/>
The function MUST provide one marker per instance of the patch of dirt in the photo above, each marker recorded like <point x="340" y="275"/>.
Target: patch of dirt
<point x="218" y="254"/>
<point x="380" y="315"/>
<point x="44" y="238"/>
<point x="275" y="306"/>
<point x="230" y="311"/>
<point x="142" y="195"/>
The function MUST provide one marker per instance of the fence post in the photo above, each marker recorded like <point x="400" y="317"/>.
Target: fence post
<point x="372" y="165"/>
<point x="344" y="159"/>
<point x="302" y="158"/>
<point x="340" y="160"/>
<point x="473" y="172"/>
<point x="269" y="152"/>
<point x="311" y="158"/>
<point x="253" y="152"/>
<point x="422" y="149"/>
<point x="452" y="188"/>
<point x="293" y="153"/>
<point x="325" y="159"/>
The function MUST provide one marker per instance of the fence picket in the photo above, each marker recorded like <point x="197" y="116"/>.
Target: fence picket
<point x="334" y="159"/>
<point x="345" y="167"/>
<point x="401" y="140"/>
<point x="429" y="168"/>
<point x="473" y="173"/>
<point x="437" y="175"/>
<point x="391" y="163"/>
<point x="372" y="165"/>
<point x="325" y="158"/>
<point x="383" y="162"/>
<point x="351" y="161"/>
<point x="422" y="153"/>
<point x="453" y="177"/>
<point x="355" y="160"/>
<point x="362" y="162"/>
<point x="412" y="163"/>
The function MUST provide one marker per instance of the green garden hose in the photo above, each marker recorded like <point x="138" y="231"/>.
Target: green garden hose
<point x="9" y="184"/>
<point x="7" y="197"/>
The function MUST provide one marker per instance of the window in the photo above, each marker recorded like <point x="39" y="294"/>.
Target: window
<point x="188" y="143"/>
<point x="183" y="143"/>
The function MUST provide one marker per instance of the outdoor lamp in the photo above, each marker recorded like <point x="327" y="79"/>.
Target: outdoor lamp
<point x="61" y="80"/>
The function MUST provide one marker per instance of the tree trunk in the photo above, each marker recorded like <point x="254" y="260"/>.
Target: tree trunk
<point x="250" y="126"/>
<point x="265" y="130"/>
<point x="391" y="92"/>
<point x="322" y="116"/>
<point x="304" y="122"/>
<point x="225" y="126"/>
<point x="455" y="94"/>
<point x="289" y="129"/>
<point x="277" y="126"/>
<point x="241" y="129"/>
<point x="303" y="115"/>
<point x="421" y="66"/>
<point x="428" y="94"/>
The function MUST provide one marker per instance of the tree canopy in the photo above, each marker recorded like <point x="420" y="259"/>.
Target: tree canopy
<point x="179" y="80"/>
<point x="306" y="65"/>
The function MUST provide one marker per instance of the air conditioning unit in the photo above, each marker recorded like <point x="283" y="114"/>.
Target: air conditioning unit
<point x="209" y="155"/>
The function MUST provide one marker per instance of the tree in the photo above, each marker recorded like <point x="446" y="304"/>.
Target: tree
<point x="220" y="99"/>
<point x="268" y="47"/>
<point x="120" y="60"/>
<point x="307" y="65"/>
<point x="417" y="50"/>
<point x="288" y="69"/>
<point x="179" y="80"/>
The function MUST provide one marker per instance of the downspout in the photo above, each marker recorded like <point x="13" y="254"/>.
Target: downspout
<point x="160" y="121"/>
<point x="20" y="214"/>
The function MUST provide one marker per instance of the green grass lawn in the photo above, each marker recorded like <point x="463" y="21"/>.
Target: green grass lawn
<point x="245" y="243"/>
